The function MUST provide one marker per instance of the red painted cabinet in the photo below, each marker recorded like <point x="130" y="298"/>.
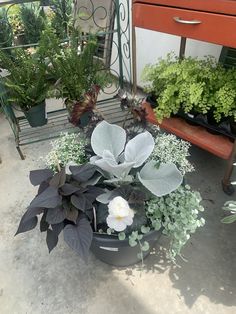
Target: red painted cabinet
<point x="218" y="6"/>
<point x="216" y="28"/>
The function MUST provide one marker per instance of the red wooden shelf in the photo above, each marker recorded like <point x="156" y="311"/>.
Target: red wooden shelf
<point x="218" y="145"/>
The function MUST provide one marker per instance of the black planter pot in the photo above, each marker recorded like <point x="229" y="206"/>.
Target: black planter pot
<point x="233" y="127"/>
<point x="85" y="118"/>
<point x="111" y="250"/>
<point x="36" y="115"/>
<point x="151" y="99"/>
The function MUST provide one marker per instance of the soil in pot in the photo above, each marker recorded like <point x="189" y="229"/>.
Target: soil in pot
<point x="111" y="250"/>
<point x="36" y="115"/>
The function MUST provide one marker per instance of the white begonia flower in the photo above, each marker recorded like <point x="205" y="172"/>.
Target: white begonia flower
<point x="120" y="214"/>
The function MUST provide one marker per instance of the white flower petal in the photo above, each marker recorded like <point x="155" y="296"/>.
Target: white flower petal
<point x="118" y="206"/>
<point x="116" y="224"/>
<point x="128" y="220"/>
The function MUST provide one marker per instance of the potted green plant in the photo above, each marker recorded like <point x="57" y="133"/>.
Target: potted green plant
<point x="192" y="88"/>
<point x="77" y="73"/>
<point x="117" y="204"/>
<point x="27" y="85"/>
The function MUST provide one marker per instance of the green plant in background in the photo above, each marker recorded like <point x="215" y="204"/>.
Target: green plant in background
<point x="61" y="17"/>
<point x="168" y="148"/>
<point x="73" y="65"/>
<point x="33" y="19"/>
<point x="67" y="149"/>
<point x="191" y="84"/>
<point x="5" y="30"/>
<point x="15" y="20"/>
<point x="177" y="213"/>
<point x="230" y="206"/>
<point x="27" y="85"/>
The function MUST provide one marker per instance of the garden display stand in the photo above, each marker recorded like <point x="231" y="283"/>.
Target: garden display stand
<point x="205" y="20"/>
<point x="115" y="46"/>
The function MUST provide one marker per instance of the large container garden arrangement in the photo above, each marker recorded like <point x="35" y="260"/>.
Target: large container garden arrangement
<point x="199" y="90"/>
<point x="119" y="201"/>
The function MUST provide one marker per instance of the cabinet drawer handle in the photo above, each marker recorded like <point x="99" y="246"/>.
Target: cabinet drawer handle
<point x="191" y="22"/>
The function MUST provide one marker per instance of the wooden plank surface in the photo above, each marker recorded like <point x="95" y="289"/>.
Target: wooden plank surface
<point x="218" y="145"/>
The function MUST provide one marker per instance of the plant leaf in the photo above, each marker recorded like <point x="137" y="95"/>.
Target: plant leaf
<point x="56" y="215"/>
<point x="57" y="228"/>
<point x="58" y="179"/>
<point x="79" y="237"/>
<point x="43" y="223"/>
<point x="160" y="181"/>
<point x="68" y="189"/>
<point x="38" y="176"/>
<point x="43" y="186"/>
<point x="26" y="225"/>
<point x="93" y="192"/>
<point x="108" y="137"/>
<point x="93" y="181"/>
<point x="72" y="215"/>
<point x="49" y="198"/>
<point x="51" y="240"/>
<point x="229" y="219"/>
<point x="117" y="170"/>
<point x="139" y="149"/>
<point x="81" y="202"/>
<point x="105" y="197"/>
<point x="83" y="173"/>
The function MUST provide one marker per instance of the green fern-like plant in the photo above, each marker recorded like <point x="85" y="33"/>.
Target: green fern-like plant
<point x="73" y="65"/>
<point x="5" y="30"/>
<point x="27" y="84"/>
<point x="33" y="19"/>
<point x="191" y="84"/>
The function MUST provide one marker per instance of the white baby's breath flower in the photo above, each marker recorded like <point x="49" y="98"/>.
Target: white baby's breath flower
<point x="120" y="214"/>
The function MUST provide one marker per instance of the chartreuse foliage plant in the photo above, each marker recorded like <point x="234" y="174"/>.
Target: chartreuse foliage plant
<point x="191" y="84"/>
<point x="120" y="192"/>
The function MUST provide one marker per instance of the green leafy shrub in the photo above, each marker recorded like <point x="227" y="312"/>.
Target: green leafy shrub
<point x="191" y="84"/>
<point x="69" y="148"/>
<point x="33" y="19"/>
<point x="27" y="84"/>
<point x="61" y="17"/>
<point x="178" y="214"/>
<point x="5" y="30"/>
<point x="73" y="65"/>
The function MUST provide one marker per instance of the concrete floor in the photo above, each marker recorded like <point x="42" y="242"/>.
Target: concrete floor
<point x="32" y="281"/>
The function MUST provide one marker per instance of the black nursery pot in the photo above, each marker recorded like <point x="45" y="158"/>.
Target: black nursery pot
<point x="36" y="115"/>
<point x="113" y="251"/>
<point x="152" y="100"/>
